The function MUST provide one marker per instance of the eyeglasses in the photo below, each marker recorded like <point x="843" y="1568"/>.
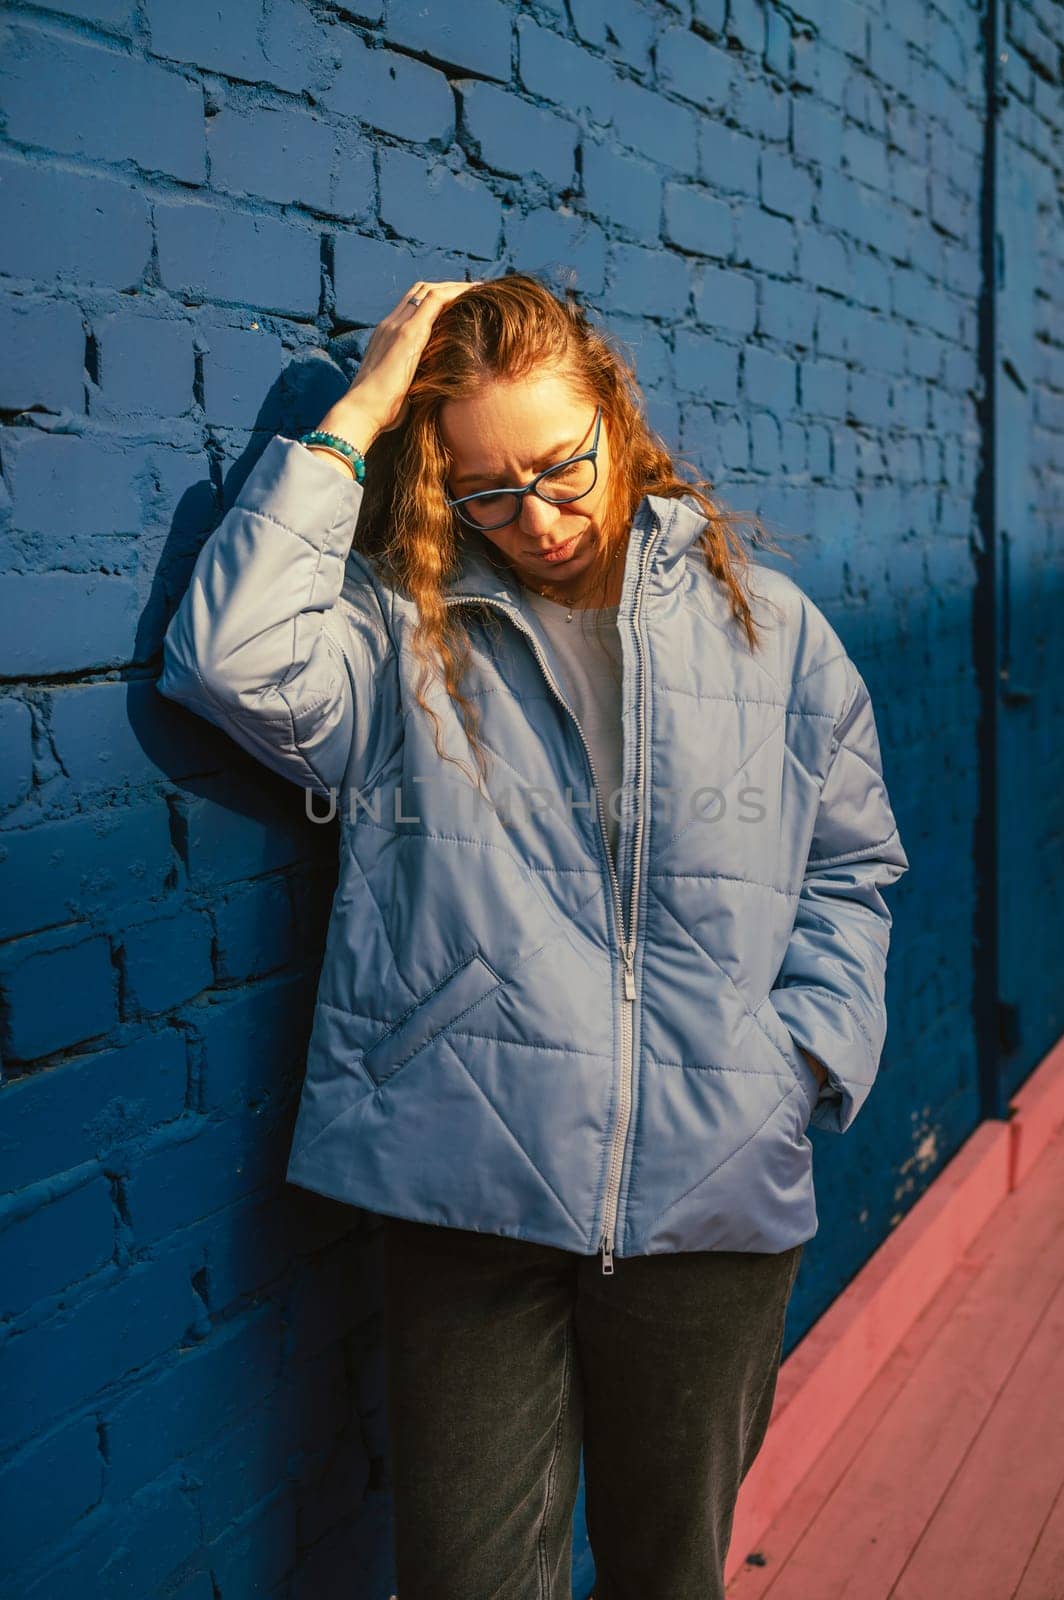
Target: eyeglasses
<point x="559" y="485"/>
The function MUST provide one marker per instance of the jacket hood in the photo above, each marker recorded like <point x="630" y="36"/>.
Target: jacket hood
<point x="680" y="520"/>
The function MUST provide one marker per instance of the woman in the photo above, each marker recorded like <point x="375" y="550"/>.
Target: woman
<point x="608" y="931"/>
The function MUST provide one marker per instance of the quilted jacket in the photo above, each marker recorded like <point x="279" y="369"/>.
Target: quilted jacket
<point x="513" y="1033"/>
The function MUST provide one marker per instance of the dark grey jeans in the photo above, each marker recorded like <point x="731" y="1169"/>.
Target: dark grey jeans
<point x="504" y="1356"/>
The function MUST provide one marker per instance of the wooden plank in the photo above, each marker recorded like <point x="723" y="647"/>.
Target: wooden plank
<point x="993" y="1512"/>
<point x="867" y="1511"/>
<point x="771" y="1550"/>
<point x="825" y="1376"/>
<point x="1043" y="1577"/>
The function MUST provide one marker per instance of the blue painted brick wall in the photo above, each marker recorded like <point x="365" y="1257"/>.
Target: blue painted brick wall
<point x="205" y="211"/>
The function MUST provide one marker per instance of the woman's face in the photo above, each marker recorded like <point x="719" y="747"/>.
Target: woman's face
<point x="502" y="437"/>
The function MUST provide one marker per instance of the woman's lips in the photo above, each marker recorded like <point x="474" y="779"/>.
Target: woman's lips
<point x="560" y="552"/>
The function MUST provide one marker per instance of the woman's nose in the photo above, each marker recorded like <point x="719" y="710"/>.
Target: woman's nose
<point x="538" y="518"/>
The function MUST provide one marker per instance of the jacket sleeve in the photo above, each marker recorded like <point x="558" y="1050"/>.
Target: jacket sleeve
<point x="276" y="640"/>
<point x="830" y="990"/>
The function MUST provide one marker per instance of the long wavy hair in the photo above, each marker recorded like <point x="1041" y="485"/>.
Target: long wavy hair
<point x="506" y="329"/>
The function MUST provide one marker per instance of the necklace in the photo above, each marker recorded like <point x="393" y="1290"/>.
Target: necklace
<point x="543" y="595"/>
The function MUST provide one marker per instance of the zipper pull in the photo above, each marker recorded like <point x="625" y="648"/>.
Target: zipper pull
<point x="607" y="1255"/>
<point x="629" y="979"/>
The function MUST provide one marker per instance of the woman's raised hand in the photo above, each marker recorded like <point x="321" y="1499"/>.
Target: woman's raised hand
<point x="376" y="400"/>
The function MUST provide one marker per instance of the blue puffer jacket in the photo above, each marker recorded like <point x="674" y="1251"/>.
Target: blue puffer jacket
<point x="512" y="1033"/>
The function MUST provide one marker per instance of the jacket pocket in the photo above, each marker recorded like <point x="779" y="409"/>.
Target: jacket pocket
<point x="780" y="1036"/>
<point x="439" y="1010"/>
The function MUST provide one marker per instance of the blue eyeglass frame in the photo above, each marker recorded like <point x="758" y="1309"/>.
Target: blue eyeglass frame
<point x="531" y="487"/>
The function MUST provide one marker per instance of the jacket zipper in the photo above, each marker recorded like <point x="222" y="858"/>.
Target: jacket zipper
<point x="627" y="946"/>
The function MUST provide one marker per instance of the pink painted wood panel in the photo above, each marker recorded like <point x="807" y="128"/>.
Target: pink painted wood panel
<point x="946" y="1476"/>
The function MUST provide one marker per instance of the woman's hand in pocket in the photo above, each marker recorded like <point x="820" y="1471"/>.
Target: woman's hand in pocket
<point x="819" y="1069"/>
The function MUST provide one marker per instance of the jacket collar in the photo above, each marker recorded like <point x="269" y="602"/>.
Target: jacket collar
<point x="670" y="526"/>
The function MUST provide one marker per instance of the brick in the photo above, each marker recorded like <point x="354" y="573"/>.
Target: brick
<point x="865" y="158"/>
<point x="871" y="282"/>
<point x="706" y="367"/>
<point x="658" y="128"/>
<point x="43" y="341"/>
<point x="437" y="206"/>
<point x="858" y="212"/>
<point x="64" y="870"/>
<point x="726" y="300"/>
<point x="64" y="622"/>
<point x="147" y="368"/>
<point x="509" y="135"/>
<point x="46" y="1488"/>
<point x="58" y="992"/>
<point x="130" y="1319"/>
<point x="73" y="1113"/>
<point x="69" y="228"/>
<point x="165" y="961"/>
<point x="354" y="185"/>
<point x="823" y="261"/>
<point x="176" y="1410"/>
<point x="253" y="1044"/>
<point x="778" y="44"/>
<point x="589" y="20"/>
<point x="67" y="484"/>
<point x="208" y="252"/>
<point x="769" y="379"/>
<point x="648" y="282"/>
<point x="817" y="132"/>
<point x="831" y="70"/>
<point x="239" y="368"/>
<point x="16" y="750"/>
<point x="727" y="159"/>
<point x="630" y="33"/>
<point x="237" y="826"/>
<point x="474" y="37"/>
<point x="734" y="444"/>
<point x="785" y="188"/>
<point x="556" y="69"/>
<point x="256" y="1556"/>
<point x="766" y="443"/>
<point x="823" y="388"/>
<point x="101" y="104"/>
<point x="284" y="155"/>
<point x="255" y="931"/>
<point x="619" y="185"/>
<point x="711" y="14"/>
<point x="746" y="24"/>
<point x="99" y="733"/>
<point x="240" y="41"/>
<point x="546" y="240"/>
<point x="694" y="69"/>
<point x="180" y="1180"/>
<point x="762" y="108"/>
<point x="246" y="1462"/>
<point x="157" y="1536"/>
<point x="649" y="345"/>
<point x="787" y="313"/>
<point x="696" y="221"/>
<point x="888" y="55"/>
<point x="112" y="14"/>
<point x="65" y="1239"/>
<point x="765" y="242"/>
<point x="390" y="92"/>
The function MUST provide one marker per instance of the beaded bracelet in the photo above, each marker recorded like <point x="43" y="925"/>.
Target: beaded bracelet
<point x="339" y="447"/>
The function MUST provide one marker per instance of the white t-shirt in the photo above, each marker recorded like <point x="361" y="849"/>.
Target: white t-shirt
<point x="589" y="650"/>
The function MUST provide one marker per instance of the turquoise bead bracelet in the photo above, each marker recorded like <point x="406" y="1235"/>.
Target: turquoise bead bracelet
<point x="338" y="446"/>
